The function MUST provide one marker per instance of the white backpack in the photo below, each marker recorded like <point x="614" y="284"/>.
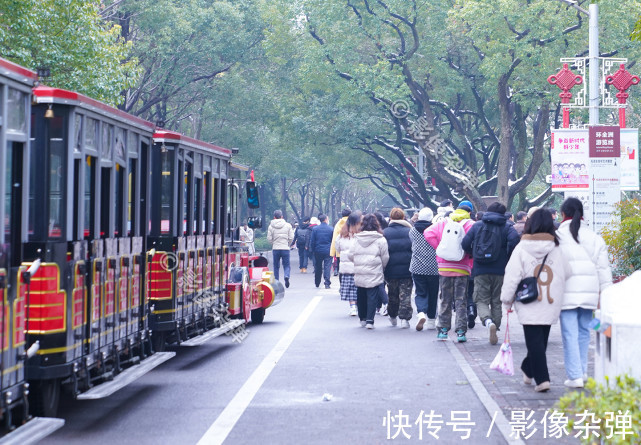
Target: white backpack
<point x="450" y="248"/>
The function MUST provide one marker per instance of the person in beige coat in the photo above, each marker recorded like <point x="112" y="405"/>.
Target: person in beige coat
<point x="280" y="234"/>
<point x="337" y="231"/>
<point x="538" y="243"/>
<point x="370" y="256"/>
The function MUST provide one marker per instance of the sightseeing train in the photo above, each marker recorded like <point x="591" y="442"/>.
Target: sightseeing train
<point x="118" y="240"/>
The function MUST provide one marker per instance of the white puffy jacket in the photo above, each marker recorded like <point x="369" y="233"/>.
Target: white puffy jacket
<point x="370" y="256"/>
<point x="280" y="234"/>
<point x="589" y="264"/>
<point x="343" y="246"/>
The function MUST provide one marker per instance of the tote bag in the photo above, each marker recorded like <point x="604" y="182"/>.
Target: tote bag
<point x="504" y="362"/>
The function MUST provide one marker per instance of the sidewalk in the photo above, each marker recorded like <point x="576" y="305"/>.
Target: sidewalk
<point x="516" y="399"/>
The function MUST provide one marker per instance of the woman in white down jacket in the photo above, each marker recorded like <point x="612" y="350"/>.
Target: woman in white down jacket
<point x="343" y="245"/>
<point x="370" y="256"/>
<point x="538" y="244"/>
<point x="588" y="257"/>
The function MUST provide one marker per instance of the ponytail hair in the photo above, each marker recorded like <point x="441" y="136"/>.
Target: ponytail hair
<point x="572" y="208"/>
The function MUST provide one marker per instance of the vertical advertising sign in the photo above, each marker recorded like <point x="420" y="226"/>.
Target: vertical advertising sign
<point x="605" y="173"/>
<point x="629" y="159"/>
<point x="570" y="160"/>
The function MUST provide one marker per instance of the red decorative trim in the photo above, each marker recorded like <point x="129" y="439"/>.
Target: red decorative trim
<point x="56" y="95"/>
<point x="19" y="70"/>
<point x="166" y="135"/>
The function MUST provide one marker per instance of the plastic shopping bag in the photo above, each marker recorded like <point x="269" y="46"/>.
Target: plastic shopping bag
<point x="503" y="362"/>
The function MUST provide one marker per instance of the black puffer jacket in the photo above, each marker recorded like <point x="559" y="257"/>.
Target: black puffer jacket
<point x="399" y="246"/>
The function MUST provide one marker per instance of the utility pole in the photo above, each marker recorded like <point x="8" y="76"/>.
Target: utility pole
<point x="594" y="63"/>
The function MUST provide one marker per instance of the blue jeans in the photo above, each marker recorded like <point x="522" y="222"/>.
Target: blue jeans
<point x="303" y="257"/>
<point x="281" y="255"/>
<point x="576" y="340"/>
<point x="426" y="294"/>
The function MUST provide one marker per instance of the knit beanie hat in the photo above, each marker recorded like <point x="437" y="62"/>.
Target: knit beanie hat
<point x="425" y="214"/>
<point x="467" y="204"/>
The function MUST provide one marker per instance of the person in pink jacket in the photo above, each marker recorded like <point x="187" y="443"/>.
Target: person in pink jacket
<point x="453" y="275"/>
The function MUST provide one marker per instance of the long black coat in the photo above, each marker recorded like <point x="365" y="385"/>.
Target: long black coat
<point x="399" y="246"/>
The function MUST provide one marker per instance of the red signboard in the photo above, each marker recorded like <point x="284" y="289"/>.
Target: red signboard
<point x="605" y="141"/>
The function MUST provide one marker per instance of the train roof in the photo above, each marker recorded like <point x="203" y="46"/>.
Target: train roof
<point x="49" y="95"/>
<point x="17" y="72"/>
<point x="178" y="138"/>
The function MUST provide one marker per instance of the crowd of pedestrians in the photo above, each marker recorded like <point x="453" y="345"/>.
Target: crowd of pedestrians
<point x="467" y="263"/>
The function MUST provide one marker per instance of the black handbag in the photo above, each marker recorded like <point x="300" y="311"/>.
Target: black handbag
<point x="528" y="289"/>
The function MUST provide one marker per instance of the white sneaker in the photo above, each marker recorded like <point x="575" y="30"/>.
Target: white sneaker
<point x="494" y="339"/>
<point x="363" y="323"/>
<point x="405" y="324"/>
<point x="384" y="310"/>
<point x="369" y="326"/>
<point x="421" y="321"/>
<point x="576" y="383"/>
<point x="353" y="311"/>
<point x="431" y="324"/>
<point x="392" y="321"/>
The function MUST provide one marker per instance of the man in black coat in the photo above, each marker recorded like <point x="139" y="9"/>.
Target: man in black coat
<point x="490" y="242"/>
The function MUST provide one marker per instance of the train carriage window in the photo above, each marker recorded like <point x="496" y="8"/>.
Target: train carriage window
<point x="214" y="211"/>
<point x="57" y="177"/>
<point x="91" y="134"/>
<point x="90" y="186"/>
<point x="16" y="111"/>
<point x="131" y="196"/>
<point x="188" y="217"/>
<point x="105" y="202"/>
<point x="7" y="192"/>
<point x="167" y="190"/>
<point x="198" y="214"/>
<point x="13" y="200"/>
<point x="120" y="199"/>
<point x="77" y="140"/>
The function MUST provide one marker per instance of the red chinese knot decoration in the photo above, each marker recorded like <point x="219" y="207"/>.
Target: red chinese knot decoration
<point x="565" y="79"/>
<point x="622" y="80"/>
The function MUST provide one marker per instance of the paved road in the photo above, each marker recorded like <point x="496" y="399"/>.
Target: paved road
<point x="271" y="388"/>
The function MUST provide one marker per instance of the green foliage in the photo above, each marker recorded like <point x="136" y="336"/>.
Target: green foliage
<point x="606" y="402"/>
<point x="84" y="53"/>
<point x="624" y="238"/>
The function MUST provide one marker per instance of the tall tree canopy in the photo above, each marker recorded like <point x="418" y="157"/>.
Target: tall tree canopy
<point x="83" y="52"/>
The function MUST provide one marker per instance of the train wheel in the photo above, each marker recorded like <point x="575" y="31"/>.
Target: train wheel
<point x="44" y="398"/>
<point x="258" y="315"/>
<point x="159" y="341"/>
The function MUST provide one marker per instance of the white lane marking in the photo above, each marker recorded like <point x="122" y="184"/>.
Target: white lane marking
<point x="486" y="399"/>
<point x="222" y="426"/>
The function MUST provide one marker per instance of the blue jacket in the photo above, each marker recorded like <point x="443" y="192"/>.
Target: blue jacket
<point x="399" y="246"/>
<point x="322" y="235"/>
<point x="510" y="239"/>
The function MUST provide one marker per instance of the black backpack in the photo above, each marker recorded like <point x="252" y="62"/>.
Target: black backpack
<point x="488" y="243"/>
<point x="303" y="237"/>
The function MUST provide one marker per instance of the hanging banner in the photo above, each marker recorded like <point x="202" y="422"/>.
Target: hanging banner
<point x="570" y="158"/>
<point x="605" y="141"/>
<point x="605" y="173"/>
<point x="629" y="159"/>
